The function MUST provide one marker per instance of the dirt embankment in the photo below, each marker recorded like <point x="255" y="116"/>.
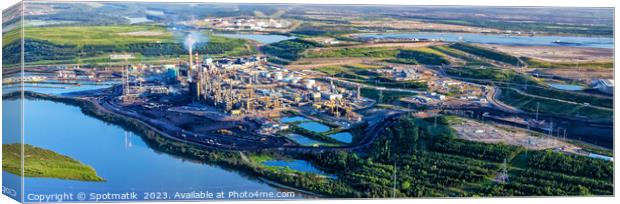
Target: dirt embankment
<point x="419" y="25"/>
<point x="583" y="75"/>
<point x="395" y="45"/>
<point x="556" y="53"/>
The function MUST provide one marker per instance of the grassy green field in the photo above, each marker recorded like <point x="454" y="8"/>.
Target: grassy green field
<point x="374" y="52"/>
<point x="536" y="63"/>
<point x="468" y="59"/>
<point x="93" y="35"/>
<point x="422" y="55"/>
<point x="45" y="163"/>
<point x="486" y="53"/>
<point x="354" y="71"/>
<point x="93" y="44"/>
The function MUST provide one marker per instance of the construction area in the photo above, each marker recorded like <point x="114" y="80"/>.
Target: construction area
<point x="493" y="133"/>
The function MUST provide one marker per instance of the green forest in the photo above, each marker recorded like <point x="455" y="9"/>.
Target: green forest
<point x="428" y="161"/>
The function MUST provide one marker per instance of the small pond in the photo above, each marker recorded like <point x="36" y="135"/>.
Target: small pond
<point x="345" y="137"/>
<point x="303" y="140"/>
<point x="134" y="20"/>
<point x="566" y="87"/>
<point x="314" y="126"/>
<point x="293" y="119"/>
<point x="261" y="38"/>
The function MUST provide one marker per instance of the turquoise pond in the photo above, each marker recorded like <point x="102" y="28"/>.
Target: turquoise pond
<point x="566" y="87"/>
<point x="293" y="119"/>
<point x="314" y="126"/>
<point x="345" y="137"/>
<point x="303" y="140"/>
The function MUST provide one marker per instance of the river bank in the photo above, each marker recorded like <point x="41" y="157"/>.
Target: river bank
<point x="43" y="163"/>
<point x="226" y="159"/>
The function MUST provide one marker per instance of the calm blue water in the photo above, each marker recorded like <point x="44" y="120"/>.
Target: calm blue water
<point x="293" y="119"/>
<point x="261" y="38"/>
<point x="314" y="126"/>
<point x="595" y="42"/>
<point x="119" y="156"/>
<point x="154" y="12"/>
<point x="567" y="87"/>
<point x="11" y="133"/>
<point x="133" y="20"/>
<point x="51" y="88"/>
<point x="598" y="156"/>
<point x="303" y="140"/>
<point x="298" y="165"/>
<point x="345" y="137"/>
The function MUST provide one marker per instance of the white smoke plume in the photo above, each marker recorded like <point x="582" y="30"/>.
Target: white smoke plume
<point x="193" y="38"/>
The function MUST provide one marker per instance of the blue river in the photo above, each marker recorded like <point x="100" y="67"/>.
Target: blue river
<point x="261" y="38"/>
<point x="592" y="42"/>
<point x="119" y="156"/>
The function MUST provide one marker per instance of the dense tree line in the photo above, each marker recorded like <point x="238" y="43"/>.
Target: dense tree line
<point x="397" y="140"/>
<point x="427" y="161"/>
<point x="572" y="164"/>
<point x="545" y="183"/>
<point x="491" y="152"/>
<point x="570" y="184"/>
<point x="37" y="50"/>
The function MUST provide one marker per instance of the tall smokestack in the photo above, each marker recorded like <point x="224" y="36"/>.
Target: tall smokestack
<point x="189" y="70"/>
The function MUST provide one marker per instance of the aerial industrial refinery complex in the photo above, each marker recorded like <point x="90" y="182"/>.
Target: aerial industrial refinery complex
<point x="239" y="89"/>
<point x="300" y="101"/>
